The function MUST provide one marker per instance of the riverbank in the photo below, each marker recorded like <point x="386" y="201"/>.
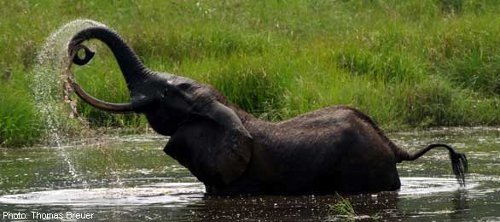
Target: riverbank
<point x="406" y="64"/>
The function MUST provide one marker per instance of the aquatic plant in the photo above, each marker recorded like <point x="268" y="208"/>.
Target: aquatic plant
<point x="342" y="207"/>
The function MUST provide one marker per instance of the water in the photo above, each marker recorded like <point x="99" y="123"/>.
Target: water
<point x="50" y="75"/>
<point x="154" y="187"/>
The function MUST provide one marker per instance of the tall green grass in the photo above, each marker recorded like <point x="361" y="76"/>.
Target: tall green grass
<point x="19" y="122"/>
<point x="405" y="63"/>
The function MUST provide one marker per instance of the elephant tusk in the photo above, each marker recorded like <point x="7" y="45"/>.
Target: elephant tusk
<point x="106" y="106"/>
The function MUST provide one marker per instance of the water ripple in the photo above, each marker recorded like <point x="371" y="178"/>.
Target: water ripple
<point x="162" y="193"/>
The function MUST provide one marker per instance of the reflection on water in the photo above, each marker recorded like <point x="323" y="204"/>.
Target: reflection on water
<point x="155" y="187"/>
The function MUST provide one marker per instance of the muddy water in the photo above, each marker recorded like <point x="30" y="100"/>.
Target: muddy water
<point x="128" y="178"/>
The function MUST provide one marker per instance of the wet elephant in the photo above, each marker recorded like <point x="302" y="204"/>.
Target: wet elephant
<point x="334" y="149"/>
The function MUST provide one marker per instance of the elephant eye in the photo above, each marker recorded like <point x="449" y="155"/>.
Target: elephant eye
<point x="184" y="86"/>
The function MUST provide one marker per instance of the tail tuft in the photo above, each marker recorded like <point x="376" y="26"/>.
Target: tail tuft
<point x="459" y="165"/>
<point x="458" y="160"/>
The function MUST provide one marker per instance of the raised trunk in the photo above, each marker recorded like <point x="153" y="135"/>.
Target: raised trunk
<point x="132" y="68"/>
<point x="110" y="107"/>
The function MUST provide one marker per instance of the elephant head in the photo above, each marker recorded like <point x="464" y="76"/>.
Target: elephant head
<point x="193" y="114"/>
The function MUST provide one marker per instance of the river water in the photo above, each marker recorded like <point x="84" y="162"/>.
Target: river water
<point x="129" y="178"/>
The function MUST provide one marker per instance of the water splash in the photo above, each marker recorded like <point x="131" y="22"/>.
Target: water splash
<point x="167" y="194"/>
<point x="419" y="186"/>
<point x="50" y="74"/>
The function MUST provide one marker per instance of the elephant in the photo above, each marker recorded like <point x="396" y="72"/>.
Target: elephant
<point x="333" y="149"/>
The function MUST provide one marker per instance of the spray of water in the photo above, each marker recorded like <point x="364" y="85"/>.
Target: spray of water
<point x="50" y="74"/>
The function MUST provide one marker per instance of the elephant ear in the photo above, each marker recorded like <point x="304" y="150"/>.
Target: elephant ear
<point x="214" y="145"/>
<point x="233" y="154"/>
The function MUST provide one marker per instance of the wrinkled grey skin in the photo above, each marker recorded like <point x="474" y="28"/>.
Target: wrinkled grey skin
<point x="335" y="149"/>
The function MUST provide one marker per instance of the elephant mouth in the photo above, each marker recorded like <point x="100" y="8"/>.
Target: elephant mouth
<point x="97" y="103"/>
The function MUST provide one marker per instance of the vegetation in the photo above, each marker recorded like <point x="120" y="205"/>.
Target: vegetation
<point x="343" y="208"/>
<point x="405" y="63"/>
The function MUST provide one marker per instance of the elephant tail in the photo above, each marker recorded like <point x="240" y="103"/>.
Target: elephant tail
<point x="458" y="160"/>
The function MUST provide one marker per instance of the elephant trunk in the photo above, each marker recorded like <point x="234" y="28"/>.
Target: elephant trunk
<point x="110" y="107"/>
<point x="134" y="71"/>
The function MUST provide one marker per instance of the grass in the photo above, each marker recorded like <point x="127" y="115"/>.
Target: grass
<point x="405" y="63"/>
<point x="19" y="123"/>
<point x="342" y="207"/>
